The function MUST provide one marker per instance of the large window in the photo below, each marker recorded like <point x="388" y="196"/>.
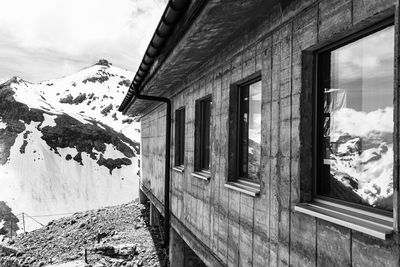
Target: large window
<point x="180" y="137"/>
<point x="202" y="134"/>
<point x="354" y="120"/>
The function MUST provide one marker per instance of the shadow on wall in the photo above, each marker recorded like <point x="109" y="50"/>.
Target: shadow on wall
<point x="156" y="234"/>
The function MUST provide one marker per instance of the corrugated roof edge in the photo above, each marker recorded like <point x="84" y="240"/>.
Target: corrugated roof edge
<point x="170" y="18"/>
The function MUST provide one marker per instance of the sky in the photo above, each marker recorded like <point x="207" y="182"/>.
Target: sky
<point x="365" y="69"/>
<point x="48" y="39"/>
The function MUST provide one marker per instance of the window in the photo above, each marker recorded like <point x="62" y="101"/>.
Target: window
<point x="249" y="131"/>
<point x="180" y="137"/>
<point x="202" y="134"/>
<point x="354" y="121"/>
<point x="245" y="131"/>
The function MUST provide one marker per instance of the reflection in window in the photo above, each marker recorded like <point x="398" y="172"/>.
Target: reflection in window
<point x="203" y="134"/>
<point x="355" y="86"/>
<point x="180" y="137"/>
<point x="250" y="131"/>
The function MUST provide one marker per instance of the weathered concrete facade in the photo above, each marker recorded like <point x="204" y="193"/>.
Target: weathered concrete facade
<point x="227" y="227"/>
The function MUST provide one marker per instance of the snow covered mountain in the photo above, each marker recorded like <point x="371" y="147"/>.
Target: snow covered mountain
<point x="63" y="146"/>
<point x="361" y="156"/>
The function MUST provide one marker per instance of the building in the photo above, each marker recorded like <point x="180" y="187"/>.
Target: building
<point x="284" y="136"/>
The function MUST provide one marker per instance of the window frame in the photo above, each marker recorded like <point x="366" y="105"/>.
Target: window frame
<point x="180" y="124"/>
<point x="200" y="135"/>
<point x="235" y="111"/>
<point x="240" y="157"/>
<point x="317" y="142"/>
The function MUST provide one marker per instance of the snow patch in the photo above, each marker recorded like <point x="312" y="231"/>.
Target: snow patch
<point x="101" y="126"/>
<point x="3" y="125"/>
<point x="49" y="120"/>
<point x="112" y="152"/>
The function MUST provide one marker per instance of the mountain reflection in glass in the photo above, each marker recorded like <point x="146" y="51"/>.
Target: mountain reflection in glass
<point x="250" y="131"/>
<point x="357" y="121"/>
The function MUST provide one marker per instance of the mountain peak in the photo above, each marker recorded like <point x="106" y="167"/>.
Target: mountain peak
<point x="14" y="79"/>
<point x="104" y="62"/>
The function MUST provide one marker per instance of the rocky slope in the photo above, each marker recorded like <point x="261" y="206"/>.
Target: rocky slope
<point x="8" y="221"/>
<point x="63" y="147"/>
<point x="113" y="236"/>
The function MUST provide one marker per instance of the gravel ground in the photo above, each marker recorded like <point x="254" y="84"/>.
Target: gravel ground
<point x="113" y="236"/>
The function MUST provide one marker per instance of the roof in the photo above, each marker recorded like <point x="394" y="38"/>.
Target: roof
<point x="201" y="32"/>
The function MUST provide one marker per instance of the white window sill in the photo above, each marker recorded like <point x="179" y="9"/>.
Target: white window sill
<point x="204" y="175"/>
<point x="249" y="188"/>
<point x="180" y="169"/>
<point x="376" y="225"/>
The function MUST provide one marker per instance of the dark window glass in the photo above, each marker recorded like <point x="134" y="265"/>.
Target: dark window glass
<point x="179" y="137"/>
<point x="202" y="149"/>
<point x="249" y="131"/>
<point x="205" y="134"/>
<point x="355" y="121"/>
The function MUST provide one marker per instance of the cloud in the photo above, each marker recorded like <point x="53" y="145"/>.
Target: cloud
<point x="367" y="58"/>
<point x="45" y="38"/>
<point x="359" y="123"/>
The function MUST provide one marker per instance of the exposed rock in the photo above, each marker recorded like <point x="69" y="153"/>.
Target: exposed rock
<point x="107" y="110"/>
<point x="15" y="115"/>
<point x="128" y="121"/>
<point x="78" y="158"/>
<point x="125" y="82"/>
<point x="9" y="221"/>
<point x="69" y="99"/>
<point x="72" y="133"/>
<point x="26" y="134"/>
<point x="99" y="79"/>
<point x="112" y="164"/>
<point x="104" y="62"/>
<point x="79" y="99"/>
<point x="23" y="146"/>
<point x="8" y="250"/>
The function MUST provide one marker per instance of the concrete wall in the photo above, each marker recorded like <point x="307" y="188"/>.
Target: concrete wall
<point x="153" y="152"/>
<point x="226" y="227"/>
